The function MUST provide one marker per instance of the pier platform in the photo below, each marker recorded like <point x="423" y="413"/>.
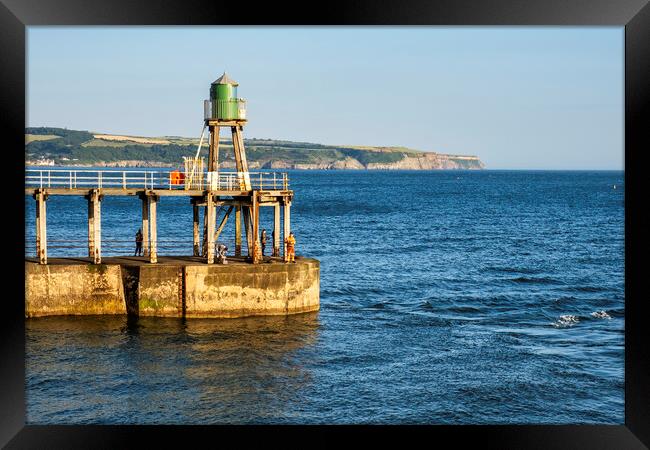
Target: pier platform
<point x="176" y="286"/>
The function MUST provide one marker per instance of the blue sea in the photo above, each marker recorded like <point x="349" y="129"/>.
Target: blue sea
<point x="447" y="297"/>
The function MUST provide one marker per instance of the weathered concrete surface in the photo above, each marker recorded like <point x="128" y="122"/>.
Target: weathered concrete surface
<point x="263" y="289"/>
<point x="175" y="287"/>
<point x="73" y="289"/>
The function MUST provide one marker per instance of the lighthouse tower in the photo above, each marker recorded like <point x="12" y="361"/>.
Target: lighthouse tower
<point x="225" y="109"/>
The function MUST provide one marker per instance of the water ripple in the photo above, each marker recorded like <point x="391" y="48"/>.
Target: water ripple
<point x="498" y="299"/>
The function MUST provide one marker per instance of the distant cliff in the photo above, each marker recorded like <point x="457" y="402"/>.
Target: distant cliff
<point x="58" y="146"/>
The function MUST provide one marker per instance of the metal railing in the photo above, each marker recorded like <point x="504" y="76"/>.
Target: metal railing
<point x="89" y="179"/>
<point x="259" y="181"/>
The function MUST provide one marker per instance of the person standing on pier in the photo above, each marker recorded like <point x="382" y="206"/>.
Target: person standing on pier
<point x="276" y="251"/>
<point x="138" y="243"/>
<point x="263" y="240"/>
<point x="291" y="247"/>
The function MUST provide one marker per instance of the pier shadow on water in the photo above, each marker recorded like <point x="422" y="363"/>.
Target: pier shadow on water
<point x="120" y="370"/>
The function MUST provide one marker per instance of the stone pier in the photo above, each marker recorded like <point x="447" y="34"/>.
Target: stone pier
<point x="174" y="287"/>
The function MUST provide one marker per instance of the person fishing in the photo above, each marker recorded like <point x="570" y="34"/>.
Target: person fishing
<point x="263" y="240"/>
<point x="221" y="254"/>
<point x="291" y="247"/>
<point x="138" y="243"/>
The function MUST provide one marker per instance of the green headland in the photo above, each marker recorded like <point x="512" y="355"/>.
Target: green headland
<point x="64" y="147"/>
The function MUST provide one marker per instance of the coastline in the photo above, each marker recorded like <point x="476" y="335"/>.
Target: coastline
<point x="256" y="166"/>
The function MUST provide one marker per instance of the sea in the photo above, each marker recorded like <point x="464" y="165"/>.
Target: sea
<point x="447" y="297"/>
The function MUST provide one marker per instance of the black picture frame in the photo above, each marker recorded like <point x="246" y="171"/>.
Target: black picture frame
<point x="634" y="15"/>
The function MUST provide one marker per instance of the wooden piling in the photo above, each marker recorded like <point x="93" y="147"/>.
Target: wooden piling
<point x="276" y="229"/>
<point x="91" y="228"/>
<point x="153" y="232"/>
<point x="238" y="230"/>
<point x="211" y="147"/>
<point x="94" y="226"/>
<point x="41" y="227"/>
<point x="145" y="225"/>
<point x="247" y="229"/>
<point x="213" y="152"/>
<point x="287" y="224"/>
<point x="240" y="157"/>
<point x="204" y="242"/>
<point x="257" y="251"/>
<point x="97" y="213"/>
<point x="195" y="221"/>
<point x="210" y="222"/>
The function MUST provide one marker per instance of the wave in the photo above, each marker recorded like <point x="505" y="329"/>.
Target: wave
<point x="587" y="289"/>
<point x="617" y="312"/>
<point x="353" y="291"/>
<point x="601" y="315"/>
<point x="569" y="320"/>
<point x="463" y="309"/>
<point x="537" y="280"/>
<point x="525" y="270"/>
<point x="566" y="320"/>
<point x="426" y="306"/>
<point x="565" y="298"/>
<point x="378" y="306"/>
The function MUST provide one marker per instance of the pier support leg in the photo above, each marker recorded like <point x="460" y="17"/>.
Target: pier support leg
<point x="91" y="228"/>
<point x="238" y="230"/>
<point x="276" y="230"/>
<point x="247" y="229"/>
<point x="287" y="226"/>
<point x="153" y="232"/>
<point x="195" y="221"/>
<point x="94" y="226"/>
<point x="213" y="149"/>
<point x="204" y="242"/>
<point x="240" y="157"/>
<point x="97" y="213"/>
<point x="41" y="227"/>
<point x="257" y="249"/>
<point x="210" y="222"/>
<point x="145" y="225"/>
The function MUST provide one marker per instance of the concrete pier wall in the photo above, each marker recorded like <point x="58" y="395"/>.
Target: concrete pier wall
<point x="172" y="290"/>
<point x="236" y="291"/>
<point x="52" y="290"/>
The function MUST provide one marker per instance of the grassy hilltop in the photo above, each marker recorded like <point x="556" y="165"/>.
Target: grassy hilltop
<point x="58" y="146"/>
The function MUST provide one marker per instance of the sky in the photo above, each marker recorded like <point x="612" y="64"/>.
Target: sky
<point x="517" y="97"/>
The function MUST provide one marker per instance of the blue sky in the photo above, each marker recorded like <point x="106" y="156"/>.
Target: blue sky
<point x="518" y="97"/>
